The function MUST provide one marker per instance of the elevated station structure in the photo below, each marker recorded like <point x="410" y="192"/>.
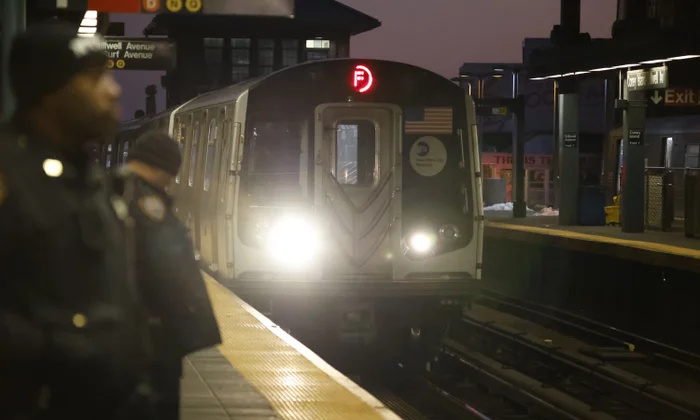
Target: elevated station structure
<point x="652" y="42"/>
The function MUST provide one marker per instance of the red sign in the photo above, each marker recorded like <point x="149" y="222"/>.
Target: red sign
<point x="362" y="79"/>
<point x="115" y="6"/>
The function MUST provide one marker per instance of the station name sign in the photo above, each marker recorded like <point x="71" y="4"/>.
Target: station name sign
<point x="647" y="79"/>
<point x="139" y="53"/>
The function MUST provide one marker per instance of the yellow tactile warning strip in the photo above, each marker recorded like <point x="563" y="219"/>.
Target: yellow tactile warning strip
<point x="296" y="382"/>
<point x="649" y="246"/>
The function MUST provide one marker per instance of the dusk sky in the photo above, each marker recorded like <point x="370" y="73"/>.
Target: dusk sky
<point x="438" y="35"/>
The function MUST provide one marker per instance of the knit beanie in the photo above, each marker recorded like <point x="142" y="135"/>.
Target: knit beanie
<point x="46" y="56"/>
<point x="157" y="149"/>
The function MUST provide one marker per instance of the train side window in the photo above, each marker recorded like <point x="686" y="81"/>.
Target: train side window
<point x="211" y="154"/>
<point x="692" y="156"/>
<point x="180" y="130"/>
<point x="193" y="154"/>
<point x="108" y="156"/>
<point x="227" y="144"/>
<point x="356" y="153"/>
<point x="125" y="151"/>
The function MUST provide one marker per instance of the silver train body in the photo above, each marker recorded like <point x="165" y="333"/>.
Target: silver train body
<point x="342" y="183"/>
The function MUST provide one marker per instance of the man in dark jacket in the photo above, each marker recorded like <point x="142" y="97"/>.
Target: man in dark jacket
<point x="167" y="272"/>
<point x="72" y="341"/>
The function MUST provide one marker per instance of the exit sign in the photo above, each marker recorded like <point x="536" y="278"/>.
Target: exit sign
<point x="676" y="97"/>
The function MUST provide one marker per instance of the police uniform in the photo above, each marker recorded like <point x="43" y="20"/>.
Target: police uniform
<point x="167" y="272"/>
<point x="72" y="341"/>
<point x="71" y="327"/>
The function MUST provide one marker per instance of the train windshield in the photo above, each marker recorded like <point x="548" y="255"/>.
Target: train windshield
<point x="275" y="152"/>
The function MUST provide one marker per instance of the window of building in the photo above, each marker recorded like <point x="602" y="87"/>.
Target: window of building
<point x="290" y="52"/>
<point x="356" y="153"/>
<point x="317" y="49"/>
<point x="318" y="44"/>
<point x="240" y="57"/>
<point x="213" y="57"/>
<point x="193" y="154"/>
<point x="211" y="152"/>
<point x="692" y="156"/>
<point x="266" y="56"/>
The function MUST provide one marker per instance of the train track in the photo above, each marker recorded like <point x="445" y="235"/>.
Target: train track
<point x="523" y="355"/>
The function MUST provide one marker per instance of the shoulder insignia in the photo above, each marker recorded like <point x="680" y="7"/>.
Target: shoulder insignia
<point x="3" y="188"/>
<point x="153" y="206"/>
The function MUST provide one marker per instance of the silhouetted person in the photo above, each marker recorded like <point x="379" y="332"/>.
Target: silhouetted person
<point x="72" y="336"/>
<point x="168" y="274"/>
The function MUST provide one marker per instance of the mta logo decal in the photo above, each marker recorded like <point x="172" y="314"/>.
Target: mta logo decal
<point x="423" y="149"/>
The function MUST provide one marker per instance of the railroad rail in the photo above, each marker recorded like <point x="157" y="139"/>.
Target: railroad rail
<point x="547" y="363"/>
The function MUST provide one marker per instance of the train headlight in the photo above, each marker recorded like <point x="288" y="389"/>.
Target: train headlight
<point x="421" y="243"/>
<point x="293" y="241"/>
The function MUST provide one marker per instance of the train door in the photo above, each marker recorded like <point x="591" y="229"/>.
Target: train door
<point x="189" y="195"/>
<point x="356" y="153"/>
<point x="211" y="148"/>
<point x="228" y="170"/>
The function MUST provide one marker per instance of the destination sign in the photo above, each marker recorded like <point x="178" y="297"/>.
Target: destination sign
<point x="646" y="79"/>
<point x="139" y="53"/>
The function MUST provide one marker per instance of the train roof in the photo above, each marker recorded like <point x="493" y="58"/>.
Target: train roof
<point x="233" y="92"/>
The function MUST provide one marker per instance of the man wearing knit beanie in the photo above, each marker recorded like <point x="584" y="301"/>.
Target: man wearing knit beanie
<point x="167" y="271"/>
<point x="72" y="328"/>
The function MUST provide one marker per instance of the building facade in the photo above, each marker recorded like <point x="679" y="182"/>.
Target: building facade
<point x="216" y="51"/>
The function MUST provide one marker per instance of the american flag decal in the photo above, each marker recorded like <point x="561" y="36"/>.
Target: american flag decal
<point x="430" y="120"/>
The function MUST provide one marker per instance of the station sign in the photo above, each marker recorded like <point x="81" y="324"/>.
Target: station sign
<point x="139" y="53"/>
<point x="676" y="97"/>
<point x="647" y="79"/>
<point x="280" y="8"/>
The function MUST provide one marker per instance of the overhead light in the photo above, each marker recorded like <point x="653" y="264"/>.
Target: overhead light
<point x="88" y="27"/>
<point x="501" y="70"/>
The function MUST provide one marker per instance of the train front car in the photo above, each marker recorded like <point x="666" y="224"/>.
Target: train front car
<point x="358" y="196"/>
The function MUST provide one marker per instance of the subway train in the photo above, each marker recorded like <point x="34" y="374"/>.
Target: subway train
<point x="344" y="189"/>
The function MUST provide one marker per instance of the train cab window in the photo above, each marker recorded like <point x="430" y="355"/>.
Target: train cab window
<point x="692" y="156"/>
<point x="193" y="154"/>
<point x="275" y="152"/>
<point x="211" y="154"/>
<point x="356" y="153"/>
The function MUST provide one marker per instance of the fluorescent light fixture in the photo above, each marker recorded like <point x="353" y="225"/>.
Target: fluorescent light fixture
<point x="88" y="22"/>
<point x="87" y="30"/>
<point x="91" y="14"/>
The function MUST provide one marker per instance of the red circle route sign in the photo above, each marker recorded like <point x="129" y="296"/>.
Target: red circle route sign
<point x="362" y="78"/>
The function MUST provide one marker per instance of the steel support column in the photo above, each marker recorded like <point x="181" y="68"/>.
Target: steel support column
<point x="633" y="122"/>
<point x="13" y="21"/>
<point x="567" y="105"/>
<point x="554" y="164"/>
<point x="519" y="205"/>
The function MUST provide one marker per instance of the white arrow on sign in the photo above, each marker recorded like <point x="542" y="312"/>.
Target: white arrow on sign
<point x="656" y="98"/>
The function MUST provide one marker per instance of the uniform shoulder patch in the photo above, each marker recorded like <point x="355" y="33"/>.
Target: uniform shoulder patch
<point x="153" y="207"/>
<point x="3" y="188"/>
